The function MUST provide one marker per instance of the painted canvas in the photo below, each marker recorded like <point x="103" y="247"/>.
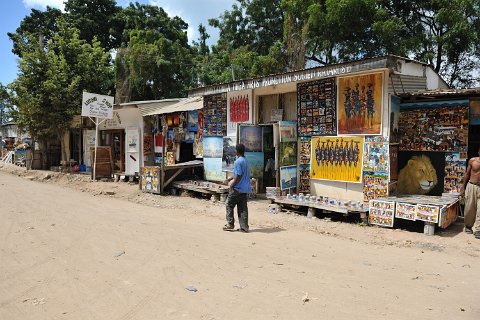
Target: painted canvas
<point x="256" y="163"/>
<point x="305" y="150"/>
<point x="337" y="158"/>
<point x="251" y="137"/>
<point x="475" y="112"/>
<point x="427" y="213"/>
<point x="455" y="168"/>
<point x="288" y="131"/>
<point x="394" y="118"/>
<point x="304" y="178"/>
<point x="215" y="115"/>
<point x="381" y="213"/>
<point x="288" y="177"/>
<point x="239" y="110"/>
<point x="150" y="179"/>
<point x="192" y="123"/>
<point x="317" y="108"/>
<point x="421" y="173"/>
<point x="360" y="102"/>
<point x="147" y="143"/>
<point x="170" y="158"/>
<point x="434" y="126"/>
<point x="158" y="143"/>
<point x="288" y="153"/>
<point x="198" y="145"/>
<point x="229" y="153"/>
<point x="405" y="211"/>
<point x="189" y="137"/>
<point x="375" y="185"/>
<point x="212" y="168"/>
<point x="376" y="156"/>
<point x="267" y="132"/>
<point x="212" y="147"/>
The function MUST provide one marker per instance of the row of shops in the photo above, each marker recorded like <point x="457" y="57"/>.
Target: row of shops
<point x="353" y="135"/>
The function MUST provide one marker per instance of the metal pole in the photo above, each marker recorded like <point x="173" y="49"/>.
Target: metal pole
<point x="95" y="151"/>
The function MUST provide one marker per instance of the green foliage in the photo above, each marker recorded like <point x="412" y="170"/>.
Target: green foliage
<point x="94" y="19"/>
<point x="36" y="28"/>
<point x="48" y="90"/>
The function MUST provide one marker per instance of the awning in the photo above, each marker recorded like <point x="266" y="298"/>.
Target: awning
<point x="152" y="106"/>
<point x="187" y="104"/>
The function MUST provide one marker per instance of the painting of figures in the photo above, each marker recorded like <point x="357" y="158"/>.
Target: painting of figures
<point x="337" y="158"/>
<point x="360" y="101"/>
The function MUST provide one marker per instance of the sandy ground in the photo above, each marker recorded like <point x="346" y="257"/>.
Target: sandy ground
<point x="73" y="249"/>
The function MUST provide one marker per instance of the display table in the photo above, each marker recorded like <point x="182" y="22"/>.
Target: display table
<point x="345" y="209"/>
<point x="433" y="210"/>
<point x="201" y="187"/>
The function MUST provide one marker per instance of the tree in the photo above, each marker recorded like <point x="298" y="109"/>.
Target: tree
<point x="37" y="28"/>
<point x="4" y="103"/>
<point x="155" y="60"/>
<point x="94" y="19"/>
<point x="48" y="90"/>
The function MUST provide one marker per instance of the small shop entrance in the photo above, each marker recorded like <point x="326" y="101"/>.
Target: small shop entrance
<point x="269" y="175"/>
<point x="116" y="140"/>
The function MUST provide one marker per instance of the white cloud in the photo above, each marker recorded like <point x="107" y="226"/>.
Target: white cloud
<point x="44" y="3"/>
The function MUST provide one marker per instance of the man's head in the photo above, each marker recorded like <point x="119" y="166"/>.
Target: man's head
<point x="240" y="150"/>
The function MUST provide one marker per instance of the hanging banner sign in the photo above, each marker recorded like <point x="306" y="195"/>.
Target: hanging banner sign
<point x="95" y="105"/>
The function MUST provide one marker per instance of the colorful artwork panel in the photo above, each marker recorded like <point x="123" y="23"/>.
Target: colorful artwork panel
<point x="305" y="150"/>
<point x="212" y="168"/>
<point x="317" y="108"/>
<point x="288" y="153"/>
<point x="337" y="158"/>
<point x="376" y="157"/>
<point x="192" y="122"/>
<point x="251" y="137"/>
<point x="421" y="173"/>
<point x="381" y="213"/>
<point x="288" y="177"/>
<point x="212" y="147"/>
<point x="405" y="211"/>
<point x="434" y="127"/>
<point x="150" y="179"/>
<point x="288" y="131"/>
<point x="256" y="163"/>
<point x="229" y="153"/>
<point x="360" y="102"/>
<point x="189" y="137"/>
<point x="455" y="168"/>
<point x="215" y="115"/>
<point x="304" y="178"/>
<point x="427" y="213"/>
<point x="239" y="110"/>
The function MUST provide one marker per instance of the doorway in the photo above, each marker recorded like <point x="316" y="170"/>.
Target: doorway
<point x="115" y="139"/>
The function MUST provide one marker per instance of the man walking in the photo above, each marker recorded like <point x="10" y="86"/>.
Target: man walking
<point x="471" y="190"/>
<point x="239" y="190"/>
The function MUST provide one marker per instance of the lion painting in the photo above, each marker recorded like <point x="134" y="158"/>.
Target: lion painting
<point x="418" y="176"/>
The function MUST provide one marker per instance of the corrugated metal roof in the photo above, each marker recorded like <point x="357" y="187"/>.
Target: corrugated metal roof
<point x="442" y="92"/>
<point x="188" y="104"/>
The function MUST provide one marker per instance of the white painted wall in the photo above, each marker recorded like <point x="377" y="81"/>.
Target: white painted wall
<point x="130" y="118"/>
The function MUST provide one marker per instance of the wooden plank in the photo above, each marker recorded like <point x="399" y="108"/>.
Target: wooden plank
<point x="173" y="177"/>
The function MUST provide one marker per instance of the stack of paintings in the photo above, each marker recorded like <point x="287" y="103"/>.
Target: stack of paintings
<point x="215" y="115"/>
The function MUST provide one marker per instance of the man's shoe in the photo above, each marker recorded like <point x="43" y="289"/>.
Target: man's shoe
<point x="242" y="230"/>
<point x="476" y="235"/>
<point x="228" y="228"/>
<point x="467" y="230"/>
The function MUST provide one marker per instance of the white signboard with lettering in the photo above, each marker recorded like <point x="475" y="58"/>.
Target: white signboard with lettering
<point x="96" y="105"/>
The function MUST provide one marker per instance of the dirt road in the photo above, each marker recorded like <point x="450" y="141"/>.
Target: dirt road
<point x="65" y="254"/>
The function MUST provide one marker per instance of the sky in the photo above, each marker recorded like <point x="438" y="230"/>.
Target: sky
<point x="12" y="13"/>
